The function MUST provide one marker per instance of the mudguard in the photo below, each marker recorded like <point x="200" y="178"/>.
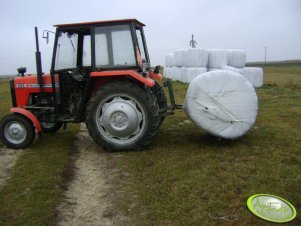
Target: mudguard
<point x="28" y="115"/>
<point x="155" y="76"/>
<point x="145" y="80"/>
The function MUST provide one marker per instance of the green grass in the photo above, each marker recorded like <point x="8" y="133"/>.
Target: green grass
<point x="188" y="175"/>
<point x="36" y="185"/>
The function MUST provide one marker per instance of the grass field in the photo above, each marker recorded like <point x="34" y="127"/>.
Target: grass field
<point x="37" y="181"/>
<point x="186" y="177"/>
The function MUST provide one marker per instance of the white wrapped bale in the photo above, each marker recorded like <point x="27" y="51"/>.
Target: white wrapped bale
<point x="217" y="58"/>
<point x="229" y="68"/>
<point x="236" y="58"/>
<point x="194" y="72"/>
<point x="214" y="69"/>
<point x="176" y="73"/>
<point x="167" y="73"/>
<point x="254" y="75"/>
<point x="196" y="58"/>
<point x="180" y="57"/>
<point x="222" y="102"/>
<point x="170" y="60"/>
<point x="184" y="74"/>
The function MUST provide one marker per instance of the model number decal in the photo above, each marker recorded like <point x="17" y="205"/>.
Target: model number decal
<point x="36" y="85"/>
<point x="21" y="85"/>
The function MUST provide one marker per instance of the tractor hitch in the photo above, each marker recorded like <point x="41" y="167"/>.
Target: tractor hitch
<point x="173" y="106"/>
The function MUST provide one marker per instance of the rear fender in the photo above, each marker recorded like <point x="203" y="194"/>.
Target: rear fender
<point x="28" y="115"/>
<point x="155" y="76"/>
<point x="135" y="75"/>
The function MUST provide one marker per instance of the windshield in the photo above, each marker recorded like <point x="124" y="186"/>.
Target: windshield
<point x="66" y="52"/>
<point x="114" y="46"/>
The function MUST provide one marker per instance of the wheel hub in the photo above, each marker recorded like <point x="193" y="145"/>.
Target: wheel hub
<point x="120" y="119"/>
<point x="15" y="132"/>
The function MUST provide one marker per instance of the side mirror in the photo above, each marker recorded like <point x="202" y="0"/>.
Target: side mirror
<point x="46" y="35"/>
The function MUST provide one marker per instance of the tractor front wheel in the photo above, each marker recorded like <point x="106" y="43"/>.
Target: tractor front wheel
<point x="16" y="131"/>
<point x="121" y="115"/>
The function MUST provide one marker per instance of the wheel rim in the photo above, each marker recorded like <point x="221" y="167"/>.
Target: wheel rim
<point x="120" y="119"/>
<point x="15" y="132"/>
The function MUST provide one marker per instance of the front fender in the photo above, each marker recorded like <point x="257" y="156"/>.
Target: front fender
<point x="28" y="115"/>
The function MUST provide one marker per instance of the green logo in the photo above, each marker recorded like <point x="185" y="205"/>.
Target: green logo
<point x="271" y="208"/>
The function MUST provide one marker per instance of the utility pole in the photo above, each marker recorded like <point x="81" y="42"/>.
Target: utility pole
<point x="193" y="43"/>
<point x="265" y="54"/>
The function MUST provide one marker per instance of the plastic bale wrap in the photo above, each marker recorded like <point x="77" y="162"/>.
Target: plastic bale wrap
<point x="214" y="69"/>
<point x="176" y="73"/>
<point x="196" y="58"/>
<point x="229" y="68"/>
<point x="223" y="103"/>
<point x="236" y="58"/>
<point x="180" y="57"/>
<point x="194" y="72"/>
<point x="184" y="74"/>
<point x="254" y="75"/>
<point x="167" y="72"/>
<point x="217" y="58"/>
<point x="170" y="60"/>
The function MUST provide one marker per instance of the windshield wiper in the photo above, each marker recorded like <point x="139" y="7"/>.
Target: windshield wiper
<point x="72" y="44"/>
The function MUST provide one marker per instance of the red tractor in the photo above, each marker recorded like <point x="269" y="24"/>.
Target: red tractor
<point x="101" y="75"/>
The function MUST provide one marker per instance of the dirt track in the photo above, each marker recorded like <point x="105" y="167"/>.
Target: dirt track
<point x="89" y="199"/>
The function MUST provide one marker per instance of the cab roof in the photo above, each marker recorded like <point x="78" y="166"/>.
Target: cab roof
<point x="101" y="23"/>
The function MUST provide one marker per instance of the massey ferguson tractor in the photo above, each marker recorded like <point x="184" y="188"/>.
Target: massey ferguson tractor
<point x="101" y="75"/>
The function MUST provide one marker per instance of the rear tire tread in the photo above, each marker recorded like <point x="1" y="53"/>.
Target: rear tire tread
<point x="130" y="87"/>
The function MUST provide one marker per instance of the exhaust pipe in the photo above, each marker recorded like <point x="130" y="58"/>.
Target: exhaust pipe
<point x="38" y="62"/>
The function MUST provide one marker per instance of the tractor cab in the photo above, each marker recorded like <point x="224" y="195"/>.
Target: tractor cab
<point x="87" y="54"/>
<point x="96" y="46"/>
<point x="101" y="75"/>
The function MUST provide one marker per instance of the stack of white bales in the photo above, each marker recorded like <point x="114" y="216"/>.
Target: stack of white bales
<point x="185" y="64"/>
<point x="217" y="59"/>
<point x="222" y="101"/>
<point x="236" y="61"/>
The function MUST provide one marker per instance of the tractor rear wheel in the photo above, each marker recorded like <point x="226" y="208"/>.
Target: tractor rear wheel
<point x="161" y="100"/>
<point x="121" y="115"/>
<point x="16" y="131"/>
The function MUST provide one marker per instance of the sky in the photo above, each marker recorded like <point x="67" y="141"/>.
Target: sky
<point x="251" y="25"/>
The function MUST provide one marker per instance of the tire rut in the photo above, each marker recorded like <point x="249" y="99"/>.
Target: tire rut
<point x="89" y="198"/>
<point x="8" y="158"/>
